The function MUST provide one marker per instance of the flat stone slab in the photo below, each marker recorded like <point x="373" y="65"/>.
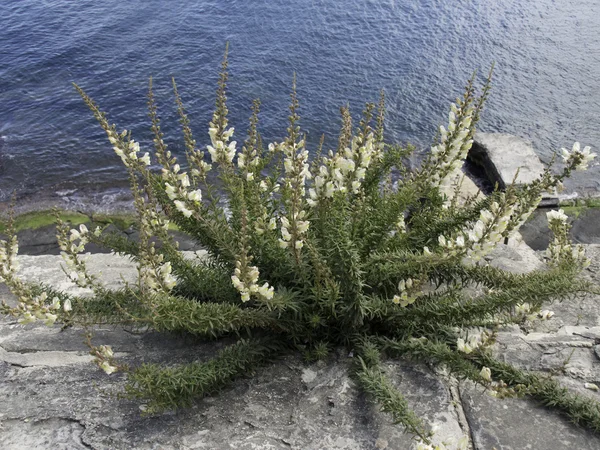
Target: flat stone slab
<point x="518" y="424"/>
<point x="503" y="155"/>
<point x="53" y="398"/>
<point x="468" y="190"/>
<point x="287" y="405"/>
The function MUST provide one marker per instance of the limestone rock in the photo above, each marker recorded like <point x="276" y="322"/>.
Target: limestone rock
<point x="52" y="398"/>
<point x="502" y="156"/>
<point x="515" y="424"/>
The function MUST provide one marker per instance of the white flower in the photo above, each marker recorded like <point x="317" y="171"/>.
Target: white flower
<point x="403" y="299"/>
<point x="266" y="291"/>
<point x="50" y="319"/>
<point x="462" y="346"/>
<point x="402" y="285"/>
<point x="285" y="234"/>
<point x="486" y="374"/>
<point x="546" y="314"/>
<point x="185" y="181"/>
<point x="298" y="245"/>
<point x="27" y="318"/>
<point x="302" y="226"/>
<point x="585" y="156"/>
<point x="556" y="215"/>
<point x="212" y="132"/>
<point x="228" y="133"/>
<point x="181" y="208"/>
<point x="253" y="273"/>
<point x="237" y="283"/>
<point x="195" y="196"/>
<point x="329" y="189"/>
<point x="145" y="159"/>
<point x="272" y="223"/>
<point x="107" y="367"/>
<point x="591" y="386"/>
<point x="486" y="216"/>
<point x="105" y="351"/>
<point x="67" y="305"/>
<point x="522" y="309"/>
<point x="170" y="190"/>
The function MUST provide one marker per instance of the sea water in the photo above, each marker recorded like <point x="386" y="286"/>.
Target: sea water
<point x="343" y="52"/>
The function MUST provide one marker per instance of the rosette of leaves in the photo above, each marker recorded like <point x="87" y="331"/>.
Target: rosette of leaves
<point x="351" y="250"/>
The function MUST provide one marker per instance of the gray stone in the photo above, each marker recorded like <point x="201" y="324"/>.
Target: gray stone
<point x="504" y="156"/>
<point x="114" y="270"/>
<point x="52" y="398"/>
<point x="285" y="405"/>
<point x="42" y="241"/>
<point x="515" y="256"/>
<point x="55" y="433"/>
<point x="584" y="228"/>
<point x="49" y="390"/>
<point x="468" y="190"/>
<point x="47" y="359"/>
<point x="518" y="424"/>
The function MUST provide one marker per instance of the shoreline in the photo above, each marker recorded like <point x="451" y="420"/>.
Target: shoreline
<point x="36" y="228"/>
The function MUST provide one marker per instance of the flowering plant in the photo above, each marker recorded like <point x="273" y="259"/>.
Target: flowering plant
<point x="312" y="255"/>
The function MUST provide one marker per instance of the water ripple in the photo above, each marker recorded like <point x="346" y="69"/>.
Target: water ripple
<point x="547" y="55"/>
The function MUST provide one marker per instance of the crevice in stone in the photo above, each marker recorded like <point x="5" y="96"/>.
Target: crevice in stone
<point x="82" y="425"/>
<point x="463" y="422"/>
<point x="284" y="442"/>
<point x="18" y="366"/>
<point x="35" y="421"/>
<point x="12" y="364"/>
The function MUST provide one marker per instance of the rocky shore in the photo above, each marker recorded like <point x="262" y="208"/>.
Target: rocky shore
<point x="52" y="397"/>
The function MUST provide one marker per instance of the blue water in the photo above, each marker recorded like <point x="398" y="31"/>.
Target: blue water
<point x="546" y="88"/>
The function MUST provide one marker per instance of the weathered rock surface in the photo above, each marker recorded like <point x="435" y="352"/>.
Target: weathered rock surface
<point x="69" y="403"/>
<point x="42" y="241"/>
<point x="516" y="424"/>
<point x="585" y="228"/>
<point x="53" y="398"/>
<point x="504" y="157"/>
